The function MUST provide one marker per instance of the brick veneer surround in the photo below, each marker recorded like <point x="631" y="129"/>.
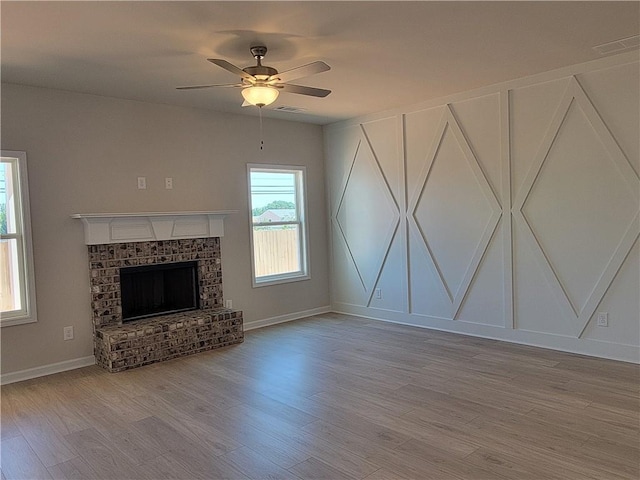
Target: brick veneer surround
<point x="117" y="346"/>
<point x="105" y="262"/>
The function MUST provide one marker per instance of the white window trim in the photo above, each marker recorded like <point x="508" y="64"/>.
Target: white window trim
<point x="301" y="206"/>
<point x="28" y="312"/>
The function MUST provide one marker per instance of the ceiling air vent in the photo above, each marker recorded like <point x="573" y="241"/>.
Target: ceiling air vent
<point x="287" y="109"/>
<point x="617" y="46"/>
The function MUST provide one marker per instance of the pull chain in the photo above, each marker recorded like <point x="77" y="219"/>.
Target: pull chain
<point x="261" y="137"/>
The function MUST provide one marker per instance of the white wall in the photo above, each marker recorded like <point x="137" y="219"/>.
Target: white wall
<point x="510" y="212"/>
<point x="84" y="154"/>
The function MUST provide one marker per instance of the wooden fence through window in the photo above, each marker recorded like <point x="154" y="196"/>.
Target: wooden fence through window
<point x="276" y="251"/>
<point x="6" y="285"/>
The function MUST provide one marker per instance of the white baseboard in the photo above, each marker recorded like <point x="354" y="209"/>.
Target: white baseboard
<point x="265" y="322"/>
<point x="46" y="370"/>
<point x="30" y="373"/>
<point x="623" y="353"/>
<point x="592" y="348"/>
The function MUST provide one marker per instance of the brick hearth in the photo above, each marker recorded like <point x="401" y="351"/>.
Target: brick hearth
<point x="162" y="338"/>
<point x="121" y="346"/>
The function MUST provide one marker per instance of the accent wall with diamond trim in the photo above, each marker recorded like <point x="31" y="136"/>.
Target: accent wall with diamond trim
<point x="510" y="212"/>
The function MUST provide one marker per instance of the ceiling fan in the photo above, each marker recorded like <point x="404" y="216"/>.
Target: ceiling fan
<point x="261" y="84"/>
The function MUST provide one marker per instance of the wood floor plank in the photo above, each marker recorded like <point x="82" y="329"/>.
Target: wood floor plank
<point x="103" y="457"/>
<point x="388" y="404"/>
<point x="74" y="469"/>
<point x="8" y="415"/>
<point x="253" y="465"/>
<point x="327" y="451"/>
<point x="165" y="438"/>
<point x="525" y="428"/>
<point x="333" y="396"/>
<point x="250" y="433"/>
<point x="136" y="444"/>
<point x="435" y="399"/>
<point x="625" y="452"/>
<point x="163" y="468"/>
<point x="353" y="439"/>
<point x="411" y="466"/>
<point x="205" y="467"/>
<point x="446" y="460"/>
<point x="533" y="463"/>
<point x="372" y="431"/>
<point x="314" y="469"/>
<point x="621" y="433"/>
<point x="34" y="425"/>
<point x="432" y="430"/>
<point x="119" y="401"/>
<point x="504" y="466"/>
<point x="19" y="461"/>
<point x="382" y="474"/>
<point x="189" y="425"/>
<point x="562" y="447"/>
<point x="57" y="400"/>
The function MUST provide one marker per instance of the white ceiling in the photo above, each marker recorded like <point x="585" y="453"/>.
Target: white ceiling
<point x="383" y="54"/>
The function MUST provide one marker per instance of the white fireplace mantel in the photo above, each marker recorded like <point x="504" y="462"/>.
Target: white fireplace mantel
<point x="100" y="228"/>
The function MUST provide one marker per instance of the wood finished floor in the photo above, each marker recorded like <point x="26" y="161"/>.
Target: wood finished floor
<point x="332" y="397"/>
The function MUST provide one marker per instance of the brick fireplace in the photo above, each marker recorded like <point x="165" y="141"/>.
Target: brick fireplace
<point x="105" y="262"/>
<point x="120" y="346"/>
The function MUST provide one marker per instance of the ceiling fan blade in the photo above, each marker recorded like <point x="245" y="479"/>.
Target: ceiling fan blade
<point x="230" y="67"/>
<point x="303" y="71"/>
<point x="195" y="87"/>
<point x="302" y="90"/>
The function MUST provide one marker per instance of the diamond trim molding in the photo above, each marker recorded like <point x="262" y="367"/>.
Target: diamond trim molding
<point x="455" y="299"/>
<point x="579" y="319"/>
<point x="369" y="284"/>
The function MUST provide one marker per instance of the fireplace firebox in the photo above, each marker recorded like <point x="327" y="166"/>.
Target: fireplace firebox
<point x="161" y="289"/>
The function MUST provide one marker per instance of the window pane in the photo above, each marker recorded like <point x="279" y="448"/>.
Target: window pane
<point x="8" y="223"/>
<point x="279" y="249"/>
<point x="9" y="276"/>
<point x="273" y="197"/>
<point x="276" y="250"/>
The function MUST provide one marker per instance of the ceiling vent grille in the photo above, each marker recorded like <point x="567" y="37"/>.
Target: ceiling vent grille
<point x="618" y="46"/>
<point x="287" y="109"/>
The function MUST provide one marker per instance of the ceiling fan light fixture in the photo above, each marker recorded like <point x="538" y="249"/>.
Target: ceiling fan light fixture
<point x="261" y="84"/>
<point x="260" y="95"/>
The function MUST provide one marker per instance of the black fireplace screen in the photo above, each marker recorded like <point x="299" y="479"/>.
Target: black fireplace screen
<point x="151" y="290"/>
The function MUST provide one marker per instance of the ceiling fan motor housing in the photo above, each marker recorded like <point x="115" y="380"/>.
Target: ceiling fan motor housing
<point x="260" y="70"/>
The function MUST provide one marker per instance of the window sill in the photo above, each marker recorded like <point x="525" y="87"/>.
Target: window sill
<point x="17" y="320"/>
<point x="277" y="280"/>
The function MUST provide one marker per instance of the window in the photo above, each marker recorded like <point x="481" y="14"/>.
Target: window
<point x="278" y="224"/>
<point x="17" y="285"/>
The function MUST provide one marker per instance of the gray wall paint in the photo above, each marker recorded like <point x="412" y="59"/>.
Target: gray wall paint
<point x="84" y="153"/>
<point x="510" y="212"/>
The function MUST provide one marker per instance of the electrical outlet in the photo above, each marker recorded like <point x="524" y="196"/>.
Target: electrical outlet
<point x="142" y="183"/>
<point x="67" y="333"/>
<point x="378" y="293"/>
<point x="603" y="319"/>
<point x="168" y="183"/>
<point x="228" y="304"/>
